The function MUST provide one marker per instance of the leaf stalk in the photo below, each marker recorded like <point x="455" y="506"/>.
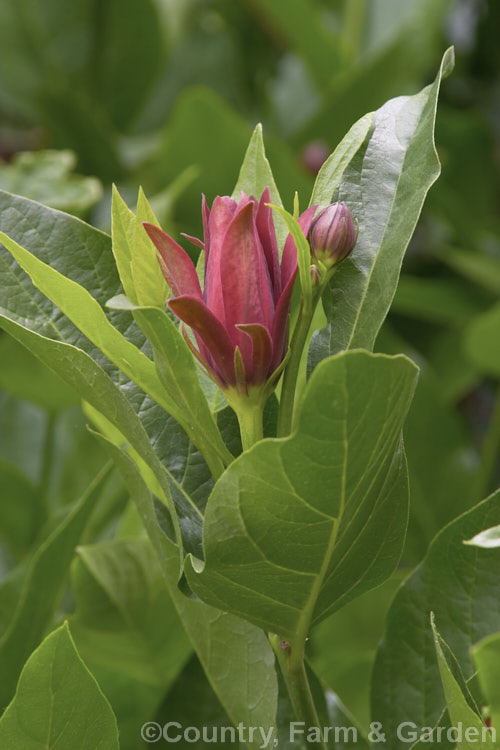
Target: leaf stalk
<point x="291" y="661"/>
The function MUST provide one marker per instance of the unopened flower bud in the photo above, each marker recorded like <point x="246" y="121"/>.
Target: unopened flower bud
<point x="333" y="234"/>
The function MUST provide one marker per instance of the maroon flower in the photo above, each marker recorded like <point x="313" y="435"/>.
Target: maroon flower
<point x="240" y="321"/>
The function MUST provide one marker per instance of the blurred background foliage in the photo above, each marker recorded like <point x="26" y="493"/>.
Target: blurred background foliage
<point x="165" y="93"/>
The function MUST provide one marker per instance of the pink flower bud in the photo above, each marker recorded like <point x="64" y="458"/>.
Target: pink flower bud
<point x="240" y="320"/>
<point x="333" y="234"/>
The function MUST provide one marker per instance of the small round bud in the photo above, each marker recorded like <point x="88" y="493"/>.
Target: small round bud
<point x="333" y="234"/>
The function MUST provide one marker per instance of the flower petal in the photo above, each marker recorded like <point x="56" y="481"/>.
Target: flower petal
<point x="196" y="314"/>
<point x="203" y="359"/>
<point x="176" y="264"/>
<point x="258" y="371"/>
<point x="280" y="324"/>
<point x="223" y="210"/>
<point x="246" y="284"/>
<point x="265" y="227"/>
<point x="199" y="243"/>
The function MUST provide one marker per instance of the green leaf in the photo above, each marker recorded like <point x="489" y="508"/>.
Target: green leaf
<point x="95" y="387"/>
<point x="384" y="186"/>
<point x="481" y="342"/>
<point x="122" y="234"/>
<point x="176" y="368"/>
<point x="255" y="175"/>
<point x="303" y="251"/>
<point x="194" y="704"/>
<point x="487" y="539"/>
<point x="86" y="313"/>
<point x="46" y="176"/>
<point x="244" y="679"/>
<point x="26" y="378"/>
<point x="126" y="629"/>
<point x="458" y="701"/>
<point x="84" y="255"/>
<point x="303" y="524"/>
<point x="150" y="286"/>
<point x="458" y="583"/>
<point x="330" y="174"/>
<point x="44" y="584"/>
<point x="58" y="703"/>
<point x="486" y="655"/>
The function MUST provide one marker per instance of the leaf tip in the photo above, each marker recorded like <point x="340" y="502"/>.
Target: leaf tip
<point x="448" y="62"/>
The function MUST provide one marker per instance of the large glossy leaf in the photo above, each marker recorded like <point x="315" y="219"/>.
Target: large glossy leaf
<point x="193" y="703"/>
<point x="243" y="678"/>
<point x="298" y="526"/>
<point x="384" y="185"/>
<point x="58" y="703"/>
<point x="126" y="629"/>
<point x="177" y="370"/>
<point x="91" y="382"/>
<point x="459" y="583"/>
<point x="43" y="586"/>
<point x="85" y="312"/>
<point x="83" y="254"/>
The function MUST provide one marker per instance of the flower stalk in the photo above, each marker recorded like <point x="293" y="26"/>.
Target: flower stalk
<point x="289" y="386"/>
<point x="332" y="235"/>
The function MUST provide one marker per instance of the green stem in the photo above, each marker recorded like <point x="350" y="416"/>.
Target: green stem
<point x="250" y="417"/>
<point x="299" y="338"/>
<point x="291" y="661"/>
<point x="490" y="452"/>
